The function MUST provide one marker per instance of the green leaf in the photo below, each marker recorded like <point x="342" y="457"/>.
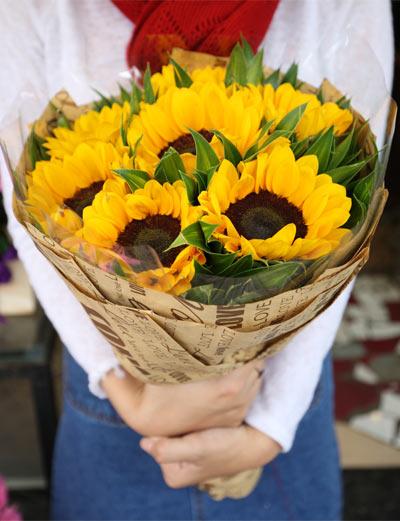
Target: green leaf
<point x="343" y="102"/>
<point x="292" y="118"/>
<point x="36" y="150"/>
<point x="254" y="148"/>
<point x="247" y="50"/>
<point x="124" y="94"/>
<point x="301" y="147"/>
<point x="182" y="78"/>
<point x="279" y="275"/>
<point x="275" y="134"/>
<point x="364" y="187"/>
<point x="201" y="269"/>
<point x="207" y="229"/>
<point x="291" y="75"/>
<point x="274" y="79"/>
<point x="231" y="153"/>
<point x="320" y="96"/>
<point x="238" y="267"/>
<point x="361" y="198"/>
<point x="220" y="261"/>
<point x="116" y="267"/>
<point x="354" y="142"/>
<point x="104" y="101"/>
<point x="134" y="178"/>
<point x="255" y="71"/>
<point x="357" y="213"/>
<point x="200" y="294"/>
<point x="192" y="188"/>
<point x="133" y="151"/>
<point x="344" y="174"/>
<point x="169" y="166"/>
<point x="239" y="293"/>
<point x="135" y="99"/>
<point x="341" y="150"/>
<point x="206" y="158"/>
<point x="201" y="179"/>
<point x="236" y="70"/>
<point x="215" y="247"/>
<point x="63" y="121"/>
<point x="149" y="96"/>
<point x="124" y="130"/>
<point x="322" y="149"/>
<point x="196" y="234"/>
<point x="264" y="129"/>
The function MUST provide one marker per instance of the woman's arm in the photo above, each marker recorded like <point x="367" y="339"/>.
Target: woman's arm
<point x="291" y="376"/>
<point x="89" y="348"/>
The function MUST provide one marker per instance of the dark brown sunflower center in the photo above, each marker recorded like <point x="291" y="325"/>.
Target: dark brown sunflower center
<point x="158" y="231"/>
<point x="185" y="143"/>
<point x="260" y="216"/>
<point x="83" y="197"/>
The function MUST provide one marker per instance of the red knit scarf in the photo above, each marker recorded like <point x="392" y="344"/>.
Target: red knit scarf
<point x="212" y="26"/>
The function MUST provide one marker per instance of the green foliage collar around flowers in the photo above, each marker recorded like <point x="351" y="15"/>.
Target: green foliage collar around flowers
<point x="227" y="278"/>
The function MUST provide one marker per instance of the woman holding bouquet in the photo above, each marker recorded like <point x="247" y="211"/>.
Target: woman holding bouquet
<point x="126" y="450"/>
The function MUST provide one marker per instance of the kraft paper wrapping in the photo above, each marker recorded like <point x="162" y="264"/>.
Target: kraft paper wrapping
<point x="161" y="338"/>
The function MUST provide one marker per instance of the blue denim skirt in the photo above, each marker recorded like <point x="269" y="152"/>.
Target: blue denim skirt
<point x="100" y="472"/>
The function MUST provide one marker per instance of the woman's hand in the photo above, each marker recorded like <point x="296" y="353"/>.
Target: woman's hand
<point x="197" y="457"/>
<point x="176" y="409"/>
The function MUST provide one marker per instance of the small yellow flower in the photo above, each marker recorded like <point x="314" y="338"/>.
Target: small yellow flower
<point x="317" y="116"/>
<point x="164" y="80"/>
<point x="277" y="208"/>
<point x="89" y="128"/>
<point x="139" y="224"/>
<point x="209" y="75"/>
<point x="323" y="117"/>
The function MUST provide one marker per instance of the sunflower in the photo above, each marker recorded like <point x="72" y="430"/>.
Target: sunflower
<point x="89" y="128"/>
<point x="153" y="216"/>
<point x="317" y="116"/>
<point x="62" y="189"/>
<point x="164" y="80"/>
<point x="277" y="208"/>
<point x="209" y="74"/>
<point x="237" y="113"/>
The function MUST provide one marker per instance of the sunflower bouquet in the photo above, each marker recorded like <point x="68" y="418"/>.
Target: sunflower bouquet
<point x="204" y="217"/>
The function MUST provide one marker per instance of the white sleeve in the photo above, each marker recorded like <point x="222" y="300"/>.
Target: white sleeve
<point x="21" y="65"/>
<point x="290" y="380"/>
<point x="87" y="346"/>
<point x="291" y="376"/>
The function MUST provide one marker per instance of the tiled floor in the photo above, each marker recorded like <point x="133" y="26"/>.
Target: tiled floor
<point x="367" y="358"/>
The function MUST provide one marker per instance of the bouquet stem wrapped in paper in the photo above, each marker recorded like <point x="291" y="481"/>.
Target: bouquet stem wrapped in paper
<point x="219" y="293"/>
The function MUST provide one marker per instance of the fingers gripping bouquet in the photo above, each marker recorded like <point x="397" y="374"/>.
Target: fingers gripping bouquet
<point x="205" y="218"/>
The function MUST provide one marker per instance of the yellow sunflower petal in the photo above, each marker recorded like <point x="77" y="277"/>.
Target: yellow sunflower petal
<point x="187" y="110"/>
